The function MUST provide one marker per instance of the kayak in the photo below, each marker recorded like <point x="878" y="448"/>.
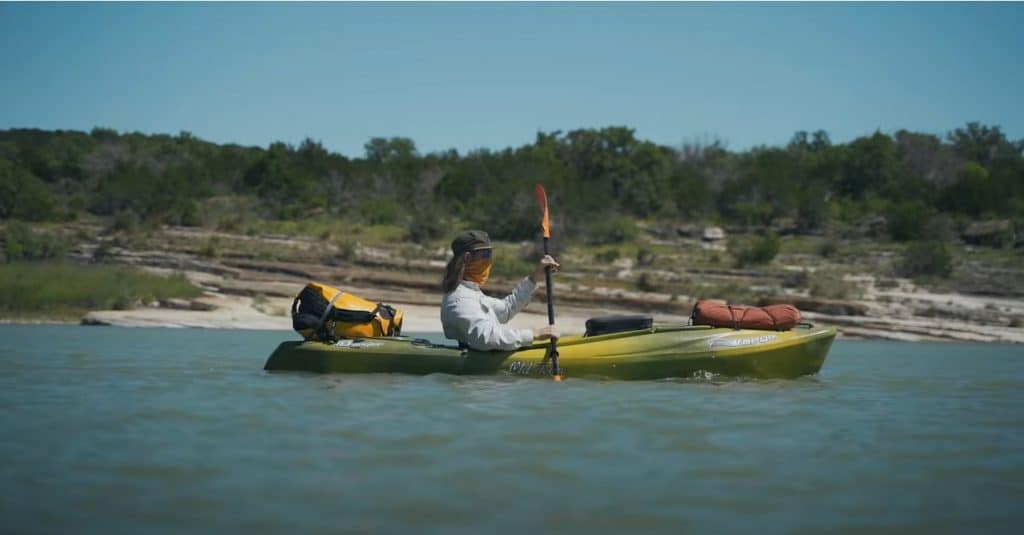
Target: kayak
<point x="658" y="352"/>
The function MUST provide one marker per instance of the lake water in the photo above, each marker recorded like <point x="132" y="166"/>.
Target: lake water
<point x="160" y="430"/>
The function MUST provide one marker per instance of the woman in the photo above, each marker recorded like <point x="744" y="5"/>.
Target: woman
<point x="476" y="320"/>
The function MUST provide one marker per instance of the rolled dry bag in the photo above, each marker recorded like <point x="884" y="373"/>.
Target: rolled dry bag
<point x="322" y="312"/>
<point x="768" y="318"/>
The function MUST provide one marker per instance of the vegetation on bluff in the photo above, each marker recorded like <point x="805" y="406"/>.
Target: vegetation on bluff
<point x="905" y="187"/>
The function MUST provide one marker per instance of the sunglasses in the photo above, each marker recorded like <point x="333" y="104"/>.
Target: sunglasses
<point x="480" y="253"/>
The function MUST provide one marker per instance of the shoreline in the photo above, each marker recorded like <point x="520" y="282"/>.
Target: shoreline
<point x="221" y="311"/>
<point x="241" y="290"/>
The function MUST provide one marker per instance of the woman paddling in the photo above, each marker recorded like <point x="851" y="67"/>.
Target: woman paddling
<point x="479" y="321"/>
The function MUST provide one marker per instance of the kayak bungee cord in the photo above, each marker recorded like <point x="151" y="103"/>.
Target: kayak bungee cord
<point x="545" y="227"/>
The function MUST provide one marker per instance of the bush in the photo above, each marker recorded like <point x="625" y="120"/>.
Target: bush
<point x="59" y="290"/>
<point x="20" y="243"/>
<point x="23" y="195"/>
<point x="608" y="256"/>
<point x="645" y="283"/>
<point x="379" y="212"/>
<point x="795" y="279"/>
<point x="830" y="286"/>
<point x="759" y="250"/>
<point x="645" y="256"/>
<point x="926" y="259"/>
<point x="511" y="267"/>
<point x="908" y="221"/>
<point x="125" y="221"/>
<point x="812" y="211"/>
<point x="828" y="248"/>
<point x="346" y="250"/>
<point x="753" y="214"/>
<point x="607" y="230"/>
<point x="186" y="213"/>
<point x="427" y="224"/>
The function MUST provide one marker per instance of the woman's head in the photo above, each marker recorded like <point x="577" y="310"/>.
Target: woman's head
<point x="471" y="259"/>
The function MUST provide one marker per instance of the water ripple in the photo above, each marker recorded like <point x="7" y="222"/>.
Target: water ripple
<point x="152" y="430"/>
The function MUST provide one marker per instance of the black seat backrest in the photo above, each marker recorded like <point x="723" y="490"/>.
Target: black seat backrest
<point x="617" y="324"/>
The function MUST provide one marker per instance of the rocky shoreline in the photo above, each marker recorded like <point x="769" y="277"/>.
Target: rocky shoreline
<point x="242" y="290"/>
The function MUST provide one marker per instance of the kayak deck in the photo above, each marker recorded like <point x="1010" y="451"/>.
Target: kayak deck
<point x="659" y="352"/>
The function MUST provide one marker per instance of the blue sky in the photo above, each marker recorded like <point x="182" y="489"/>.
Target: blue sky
<point x="466" y="76"/>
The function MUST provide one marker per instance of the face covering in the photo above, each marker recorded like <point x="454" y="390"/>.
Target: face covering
<point x="478" y="270"/>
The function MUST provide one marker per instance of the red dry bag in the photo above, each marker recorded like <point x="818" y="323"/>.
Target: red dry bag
<point x="769" y="318"/>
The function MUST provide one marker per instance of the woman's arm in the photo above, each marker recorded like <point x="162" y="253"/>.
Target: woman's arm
<point x="514" y="302"/>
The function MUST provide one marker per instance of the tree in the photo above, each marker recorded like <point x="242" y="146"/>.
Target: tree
<point x="973" y="193"/>
<point x="23" y="195"/>
<point x="871" y="163"/>
<point x="381" y="149"/>
<point x="980" y="143"/>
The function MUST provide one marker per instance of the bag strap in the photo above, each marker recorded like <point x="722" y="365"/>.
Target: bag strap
<point x="327" y="311"/>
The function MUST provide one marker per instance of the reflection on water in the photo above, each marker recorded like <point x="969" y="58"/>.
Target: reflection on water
<point x="172" y="430"/>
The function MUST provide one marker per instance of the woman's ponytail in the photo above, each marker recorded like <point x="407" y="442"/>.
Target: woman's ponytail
<point x="453" y="274"/>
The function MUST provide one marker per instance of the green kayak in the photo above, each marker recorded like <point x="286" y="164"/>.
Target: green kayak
<point x="658" y="352"/>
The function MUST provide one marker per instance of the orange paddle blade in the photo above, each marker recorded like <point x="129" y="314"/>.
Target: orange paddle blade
<point x="542" y="199"/>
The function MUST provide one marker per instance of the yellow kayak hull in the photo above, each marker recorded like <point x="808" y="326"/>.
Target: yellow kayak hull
<point x="656" y="353"/>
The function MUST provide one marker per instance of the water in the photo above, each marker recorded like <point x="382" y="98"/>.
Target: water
<point x="127" y="430"/>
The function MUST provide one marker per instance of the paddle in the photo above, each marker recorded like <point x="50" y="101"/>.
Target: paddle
<point x="545" y="227"/>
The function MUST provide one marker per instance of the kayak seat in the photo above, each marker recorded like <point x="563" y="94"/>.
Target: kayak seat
<point x="617" y="324"/>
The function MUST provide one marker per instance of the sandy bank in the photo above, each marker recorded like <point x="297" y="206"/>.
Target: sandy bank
<point x="246" y="292"/>
<point x="240" y="312"/>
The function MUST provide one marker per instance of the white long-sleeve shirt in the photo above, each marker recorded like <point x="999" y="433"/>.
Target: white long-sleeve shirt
<point x="478" y="320"/>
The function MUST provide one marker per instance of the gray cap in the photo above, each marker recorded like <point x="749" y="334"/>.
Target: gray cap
<point x="470" y="240"/>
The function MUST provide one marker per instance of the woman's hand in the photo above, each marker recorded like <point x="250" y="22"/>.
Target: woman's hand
<point x="546" y="261"/>
<point x="545" y="332"/>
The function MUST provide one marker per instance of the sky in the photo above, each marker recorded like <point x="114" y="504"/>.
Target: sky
<point x="466" y="76"/>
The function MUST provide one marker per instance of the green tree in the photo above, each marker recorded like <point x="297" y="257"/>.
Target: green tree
<point x="909" y="220"/>
<point x="758" y="250"/>
<point x="973" y="193"/>
<point x="381" y="149"/>
<point x="871" y="163"/>
<point x="23" y="195"/>
<point x="979" y="143"/>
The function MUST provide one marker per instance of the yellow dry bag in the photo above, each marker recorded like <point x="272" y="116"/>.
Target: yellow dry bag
<point x="322" y="312"/>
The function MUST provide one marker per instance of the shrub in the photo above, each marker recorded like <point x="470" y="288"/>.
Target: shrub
<point x="886" y="284"/>
<point x="830" y="286"/>
<point x="511" y="267"/>
<point x="211" y="249"/>
<point x="644" y="256"/>
<point x="346" y="250"/>
<point x="812" y="211"/>
<point x="608" y="256"/>
<point x="58" y="289"/>
<point x="759" y="250"/>
<point x="606" y="230"/>
<point x="23" y="195"/>
<point x="908" y="221"/>
<point x="753" y="214"/>
<point x="926" y="259"/>
<point x="795" y="279"/>
<point x="426" y="224"/>
<point x="125" y="221"/>
<point x="644" y="283"/>
<point x="20" y="243"/>
<point x="379" y="211"/>
<point x="186" y="213"/>
<point x="829" y="248"/>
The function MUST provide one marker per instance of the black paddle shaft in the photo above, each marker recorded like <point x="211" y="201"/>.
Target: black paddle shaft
<point x="551" y="315"/>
